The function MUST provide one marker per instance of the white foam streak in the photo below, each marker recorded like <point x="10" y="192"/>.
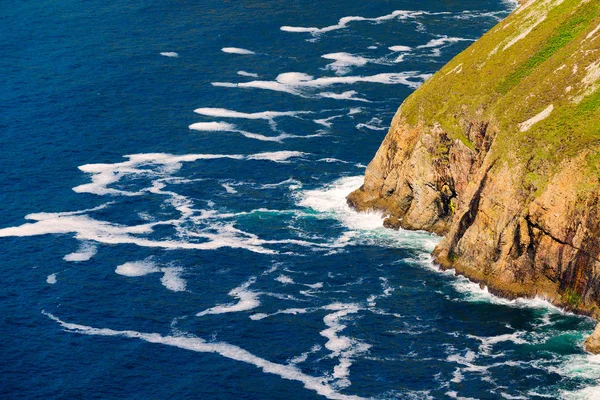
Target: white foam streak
<point x="343" y="22"/>
<point x="247" y="300"/>
<point x="225" y="113"/>
<point x="227" y="127"/>
<point x="224" y="349"/>
<point x="292" y="311"/>
<point x="104" y="175"/>
<point x="89" y="229"/>
<point x="326" y="122"/>
<point x="301" y="84"/>
<point x="374" y="124"/>
<point x="213" y="127"/>
<point x="237" y="50"/>
<point x="248" y="74"/>
<point x="347" y="95"/>
<point x="443" y="40"/>
<point x="276" y="156"/>
<point x="343" y="347"/>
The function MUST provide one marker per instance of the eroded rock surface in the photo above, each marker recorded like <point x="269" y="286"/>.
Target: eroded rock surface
<point x="519" y="209"/>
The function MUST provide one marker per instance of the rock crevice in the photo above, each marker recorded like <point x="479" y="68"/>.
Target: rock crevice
<point x="519" y="210"/>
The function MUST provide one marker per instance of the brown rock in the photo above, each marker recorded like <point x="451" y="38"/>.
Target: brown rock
<point x="519" y="208"/>
<point x="592" y="343"/>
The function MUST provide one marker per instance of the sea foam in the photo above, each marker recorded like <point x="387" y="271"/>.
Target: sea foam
<point x="137" y="268"/>
<point x="247" y="300"/>
<point x="345" y="21"/>
<point x="237" y="50"/>
<point x="304" y="85"/>
<point x="85" y="252"/>
<point x="188" y="342"/>
<point x="343" y="62"/>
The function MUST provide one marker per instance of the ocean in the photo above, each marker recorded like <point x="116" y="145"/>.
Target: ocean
<point x="174" y="223"/>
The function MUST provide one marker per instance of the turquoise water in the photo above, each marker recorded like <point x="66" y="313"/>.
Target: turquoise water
<point x="174" y="222"/>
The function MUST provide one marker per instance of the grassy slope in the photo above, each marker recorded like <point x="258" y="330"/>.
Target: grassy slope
<point x="509" y="85"/>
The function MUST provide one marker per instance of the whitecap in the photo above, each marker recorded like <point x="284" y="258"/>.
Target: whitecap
<point x="284" y="279"/>
<point x="400" y="48"/>
<point x="332" y="200"/>
<point x="588" y="393"/>
<point x="237" y="50"/>
<point x="387" y="291"/>
<point x="85" y="252"/>
<point x="51" y="279"/>
<point x="137" y="268"/>
<point x="172" y="279"/>
<point x="169" y="54"/>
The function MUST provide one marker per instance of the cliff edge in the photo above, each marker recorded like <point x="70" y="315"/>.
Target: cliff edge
<point x="499" y="152"/>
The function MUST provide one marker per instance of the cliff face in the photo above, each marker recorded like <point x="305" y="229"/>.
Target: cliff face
<point x="499" y="152"/>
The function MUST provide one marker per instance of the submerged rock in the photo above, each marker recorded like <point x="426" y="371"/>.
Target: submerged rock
<point x="499" y="152"/>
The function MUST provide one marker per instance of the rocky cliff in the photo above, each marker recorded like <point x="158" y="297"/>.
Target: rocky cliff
<point x="499" y="152"/>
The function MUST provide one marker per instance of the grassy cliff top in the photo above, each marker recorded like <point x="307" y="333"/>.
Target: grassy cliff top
<point x="535" y="77"/>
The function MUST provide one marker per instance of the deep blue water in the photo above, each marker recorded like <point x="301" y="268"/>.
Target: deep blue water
<point x="144" y="259"/>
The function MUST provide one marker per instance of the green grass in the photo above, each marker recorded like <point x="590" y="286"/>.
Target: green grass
<point x="563" y="35"/>
<point x="589" y="104"/>
<point x="509" y="86"/>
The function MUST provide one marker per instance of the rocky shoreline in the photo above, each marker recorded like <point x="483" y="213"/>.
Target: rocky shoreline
<point x="496" y="154"/>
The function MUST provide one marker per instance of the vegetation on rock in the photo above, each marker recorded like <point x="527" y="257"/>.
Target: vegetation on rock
<point x="500" y="153"/>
